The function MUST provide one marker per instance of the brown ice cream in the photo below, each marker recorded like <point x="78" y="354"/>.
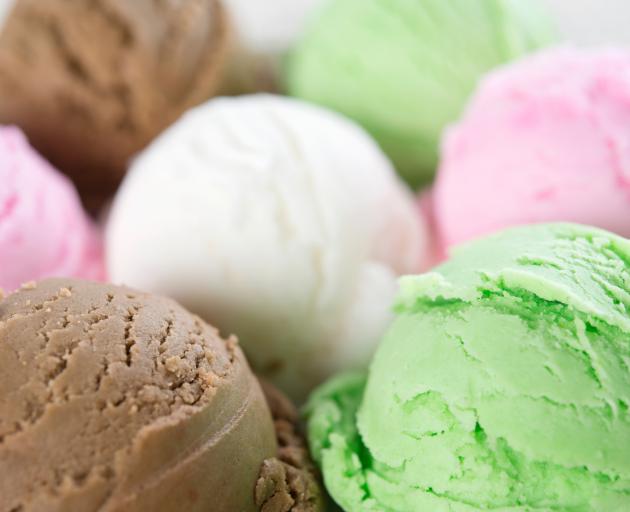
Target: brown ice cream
<point x="91" y="82"/>
<point x="289" y="481"/>
<point x="247" y="72"/>
<point x="114" y="400"/>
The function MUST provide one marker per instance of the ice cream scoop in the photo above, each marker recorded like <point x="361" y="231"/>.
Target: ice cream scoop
<point x="404" y="69"/>
<point x="503" y="384"/>
<point x="275" y="220"/>
<point x="92" y="82"/>
<point x="116" y="400"/>
<point x="544" y="139"/>
<point x="43" y="228"/>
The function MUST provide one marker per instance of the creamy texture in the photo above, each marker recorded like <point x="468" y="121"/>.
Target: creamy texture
<point x="43" y="228"/>
<point x="114" y="400"/>
<point x="91" y="82"/>
<point x="504" y="384"/>
<point x="545" y="139"/>
<point x="404" y="69"/>
<point x="277" y="221"/>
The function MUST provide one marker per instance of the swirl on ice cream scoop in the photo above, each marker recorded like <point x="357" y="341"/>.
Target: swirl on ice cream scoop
<point x="504" y="383"/>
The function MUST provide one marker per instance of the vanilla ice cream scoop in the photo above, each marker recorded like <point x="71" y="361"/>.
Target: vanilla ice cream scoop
<point x="277" y="221"/>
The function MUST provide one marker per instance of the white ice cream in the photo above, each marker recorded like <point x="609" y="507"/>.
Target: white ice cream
<point x="275" y="220"/>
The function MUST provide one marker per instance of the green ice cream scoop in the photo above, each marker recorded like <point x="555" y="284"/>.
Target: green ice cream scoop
<point x="503" y="384"/>
<point x="405" y="68"/>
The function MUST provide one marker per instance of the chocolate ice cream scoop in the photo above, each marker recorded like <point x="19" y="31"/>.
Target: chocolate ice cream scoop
<point x="289" y="481"/>
<point x="93" y="81"/>
<point x="115" y="400"/>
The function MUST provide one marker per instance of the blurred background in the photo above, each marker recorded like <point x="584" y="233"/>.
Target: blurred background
<point x="592" y="22"/>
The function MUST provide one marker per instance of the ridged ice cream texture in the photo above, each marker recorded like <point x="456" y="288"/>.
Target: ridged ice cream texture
<point x="116" y="400"/>
<point x="275" y="220"/>
<point x="504" y="384"/>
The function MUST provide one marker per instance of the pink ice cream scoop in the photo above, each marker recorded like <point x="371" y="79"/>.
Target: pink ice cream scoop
<point x="544" y="139"/>
<point x="43" y="228"/>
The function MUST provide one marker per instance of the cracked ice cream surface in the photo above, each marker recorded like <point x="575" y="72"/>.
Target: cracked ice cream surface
<point x="504" y="384"/>
<point x="112" y="399"/>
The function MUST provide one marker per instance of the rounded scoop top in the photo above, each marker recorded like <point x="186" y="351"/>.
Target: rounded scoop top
<point x="404" y="69"/>
<point x="92" y="82"/>
<point x="546" y="139"/>
<point x="113" y="400"/>
<point x="503" y="384"/>
<point x="275" y="220"/>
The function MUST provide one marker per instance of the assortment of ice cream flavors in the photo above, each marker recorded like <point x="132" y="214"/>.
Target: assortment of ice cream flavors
<point x="404" y="69"/>
<point x="387" y="252"/>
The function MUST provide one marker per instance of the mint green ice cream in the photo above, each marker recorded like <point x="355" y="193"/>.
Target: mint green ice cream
<point x="405" y="68"/>
<point x="503" y="384"/>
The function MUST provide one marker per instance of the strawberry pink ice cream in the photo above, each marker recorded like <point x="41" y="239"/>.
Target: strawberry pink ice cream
<point x="544" y="139"/>
<point x="43" y="228"/>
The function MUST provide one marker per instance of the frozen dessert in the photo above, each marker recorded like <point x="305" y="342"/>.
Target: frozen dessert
<point x="404" y="69"/>
<point x="116" y="400"/>
<point x="92" y="82"/>
<point x="274" y="220"/>
<point x="43" y="228"/>
<point x="503" y="384"/>
<point x="290" y="480"/>
<point x="544" y="139"/>
<point x="264" y="32"/>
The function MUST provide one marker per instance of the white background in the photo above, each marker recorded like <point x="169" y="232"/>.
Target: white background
<point x="592" y="22"/>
